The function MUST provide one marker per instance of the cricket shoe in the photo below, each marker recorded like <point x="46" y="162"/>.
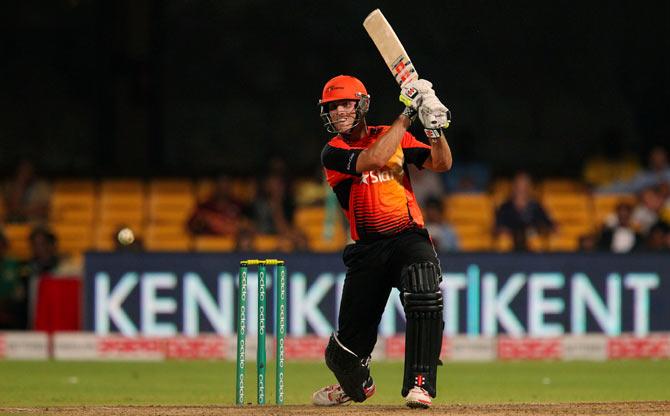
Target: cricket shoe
<point x="418" y="398"/>
<point x="333" y="395"/>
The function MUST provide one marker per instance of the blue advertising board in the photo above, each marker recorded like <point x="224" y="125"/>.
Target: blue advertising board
<point x="539" y="295"/>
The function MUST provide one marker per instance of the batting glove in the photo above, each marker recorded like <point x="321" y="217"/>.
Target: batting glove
<point x="434" y="116"/>
<point x="412" y="94"/>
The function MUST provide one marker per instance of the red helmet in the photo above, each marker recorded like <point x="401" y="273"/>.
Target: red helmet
<point x="343" y="87"/>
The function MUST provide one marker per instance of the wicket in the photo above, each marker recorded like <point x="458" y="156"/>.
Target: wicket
<point x="279" y="292"/>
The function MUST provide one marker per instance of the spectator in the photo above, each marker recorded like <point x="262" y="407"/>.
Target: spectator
<point x="467" y="177"/>
<point x="664" y="192"/>
<point x="521" y="214"/>
<point x="245" y="240"/>
<point x="658" y="172"/>
<point x="274" y="208"/>
<point x="648" y="211"/>
<point x="26" y="196"/>
<point x="221" y="214"/>
<point x="44" y="259"/>
<point x="620" y="237"/>
<point x="426" y="184"/>
<point x="12" y="290"/>
<point x="588" y="243"/>
<point x="657" y="238"/>
<point x="443" y="235"/>
<point x="44" y="249"/>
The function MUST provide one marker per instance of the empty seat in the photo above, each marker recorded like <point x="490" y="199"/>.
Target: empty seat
<point x="473" y="242"/>
<point x="563" y="242"/>
<point x="469" y="209"/>
<point x="306" y="217"/>
<point x="170" y="208"/>
<point x="573" y="208"/>
<point x="214" y="243"/>
<point x="17" y="235"/>
<point x="73" y="239"/>
<point x="553" y="186"/>
<point x="170" y="237"/>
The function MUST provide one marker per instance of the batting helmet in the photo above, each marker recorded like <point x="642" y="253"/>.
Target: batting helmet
<point x="344" y="87"/>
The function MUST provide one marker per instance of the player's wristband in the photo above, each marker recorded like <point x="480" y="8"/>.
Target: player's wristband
<point x="410" y="113"/>
<point x="433" y="134"/>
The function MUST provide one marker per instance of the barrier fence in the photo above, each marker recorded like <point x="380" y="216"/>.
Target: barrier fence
<point x="82" y="346"/>
<point x="518" y="295"/>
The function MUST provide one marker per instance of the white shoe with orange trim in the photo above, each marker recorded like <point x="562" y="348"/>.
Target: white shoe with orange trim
<point x="333" y="395"/>
<point x="418" y="398"/>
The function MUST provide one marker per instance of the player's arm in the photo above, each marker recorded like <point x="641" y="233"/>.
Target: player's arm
<point x="377" y="155"/>
<point x="440" y="159"/>
<point x="435" y="117"/>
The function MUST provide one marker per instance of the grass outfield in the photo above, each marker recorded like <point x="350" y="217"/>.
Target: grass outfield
<point x="53" y="383"/>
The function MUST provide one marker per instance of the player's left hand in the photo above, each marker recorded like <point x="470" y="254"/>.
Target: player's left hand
<point x="433" y="114"/>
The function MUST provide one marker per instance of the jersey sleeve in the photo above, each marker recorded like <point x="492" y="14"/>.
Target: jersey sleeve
<point x="340" y="160"/>
<point x="416" y="152"/>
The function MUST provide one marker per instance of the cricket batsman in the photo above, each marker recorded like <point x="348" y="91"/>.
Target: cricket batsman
<point x="366" y="166"/>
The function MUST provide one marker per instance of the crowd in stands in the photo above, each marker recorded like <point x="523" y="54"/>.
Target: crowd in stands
<point x="48" y="222"/>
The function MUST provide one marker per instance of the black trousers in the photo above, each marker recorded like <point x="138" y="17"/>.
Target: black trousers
<point x="373" y="269"/>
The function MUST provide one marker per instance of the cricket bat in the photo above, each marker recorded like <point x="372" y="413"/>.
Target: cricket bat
<point x="389" y="46"/>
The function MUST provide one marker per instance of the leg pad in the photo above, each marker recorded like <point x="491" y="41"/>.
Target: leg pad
<point x="422" y="300"/>
<point x="352" y="372"/>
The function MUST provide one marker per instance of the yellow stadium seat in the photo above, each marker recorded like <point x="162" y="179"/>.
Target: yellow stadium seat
<point x="73" y="239"/>
<point x="171" y="237"/>
<point x="563" y="242"/>
<point x="470" y="230"/>
<point x="320" y="242"/>
<point x="118" y="205"/>
<point x="214" y="243"/>
<point x="482" y="242"/>
<point x="266" y="242"/>
<point x="306" y="217"/>
<point x="503" y="243"/>
<point x="73" y="206"/>
<point x="244" y="189"/>
<point x="167" y="243"/>
<point x="170" y="208"/>
<point x="500" y="190"/>
<point x="469" y="209"/>
<point x="553" y="186"/>
<point x="538" y="243"/>
<point x="17" y="235"/>
<point x="203" y="189"/>
<point x="332" y="245"/>
<point x="572" y="208"/>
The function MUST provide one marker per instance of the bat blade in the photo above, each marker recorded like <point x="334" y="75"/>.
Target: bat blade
<point x="390" y="47"/>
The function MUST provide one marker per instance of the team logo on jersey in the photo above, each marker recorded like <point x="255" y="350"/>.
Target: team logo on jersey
<point x="376" y="176"/>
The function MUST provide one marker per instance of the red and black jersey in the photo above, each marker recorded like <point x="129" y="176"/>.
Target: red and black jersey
<point x="378" y="203"/>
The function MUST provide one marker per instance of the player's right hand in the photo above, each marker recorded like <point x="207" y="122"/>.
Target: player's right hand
<point x="433" y="114"/>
